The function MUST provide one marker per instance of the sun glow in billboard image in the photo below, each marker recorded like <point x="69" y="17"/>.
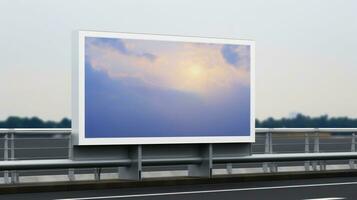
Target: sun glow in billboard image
<point x="155" y="89"/>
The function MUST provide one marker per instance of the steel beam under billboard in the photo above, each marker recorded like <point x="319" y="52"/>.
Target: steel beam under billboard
<point x="159" y="89"/>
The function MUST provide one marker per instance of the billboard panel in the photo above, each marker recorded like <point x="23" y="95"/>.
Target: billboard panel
<point x="156" y="89"/>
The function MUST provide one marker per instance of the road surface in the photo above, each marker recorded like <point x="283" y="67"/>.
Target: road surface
<point x="310" y="189"/>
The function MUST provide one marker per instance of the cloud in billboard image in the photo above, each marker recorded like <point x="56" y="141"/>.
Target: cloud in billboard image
<point x="150" y="88"/>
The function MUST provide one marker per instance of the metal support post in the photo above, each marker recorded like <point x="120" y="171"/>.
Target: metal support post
<point x="71" y="175"/>
<point x="307" y="150"/>
<point x="353" y="149"/>
<point x="266" y="150"/>
<point x="229" y="168"/>
<point x="133" y="172"/>
<point x="14" y="175"/>
<point x="269" y="167"/>
<point x="97" y="173"/>
<point x="322" y="165"/>
<point x="273" y="166"/>
<point x="316" y="149"/>
<point x="6" y="157"/>
<point x="203" y="169"/>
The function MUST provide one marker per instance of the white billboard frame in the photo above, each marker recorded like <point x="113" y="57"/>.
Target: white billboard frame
<point x="78" y="92"/>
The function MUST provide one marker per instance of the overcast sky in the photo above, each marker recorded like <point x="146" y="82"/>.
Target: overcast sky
<point x="306" y="57"/>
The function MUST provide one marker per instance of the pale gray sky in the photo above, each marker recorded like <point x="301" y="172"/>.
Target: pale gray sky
<point x="306" y="57"/>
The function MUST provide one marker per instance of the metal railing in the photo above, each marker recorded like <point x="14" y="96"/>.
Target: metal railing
<point x="52" y="149"/>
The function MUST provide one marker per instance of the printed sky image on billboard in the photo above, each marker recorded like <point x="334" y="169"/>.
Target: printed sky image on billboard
<point x="151" y="88"/>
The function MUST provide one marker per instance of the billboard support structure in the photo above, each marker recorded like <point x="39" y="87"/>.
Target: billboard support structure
<point x="136" y="153"/>
<point x="133" y="172"/>
<point x="203" y="169"/>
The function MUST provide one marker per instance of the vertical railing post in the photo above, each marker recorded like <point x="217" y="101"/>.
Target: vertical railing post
<point x="270" y="143"/>
<point x="229" y="168"/>
<point x="353" y="149"/>
<point x="316" y="148"/>
<point x="307" y="150"/>
<point x="268" y="166"/>
<point x="14" y="175"/>
<point x="273" y="166"/>
<point x="97" y="172"/>
<point x="322" y="163"/>
<point x="71" y="175"/>
<point x="266" y="150"/>
<point x="6" y="157"/>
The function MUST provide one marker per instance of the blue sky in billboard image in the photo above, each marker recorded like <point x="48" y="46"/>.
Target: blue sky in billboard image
<point x="142" y="88"/>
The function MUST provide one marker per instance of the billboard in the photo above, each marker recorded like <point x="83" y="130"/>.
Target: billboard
<point x="158" y="89"/>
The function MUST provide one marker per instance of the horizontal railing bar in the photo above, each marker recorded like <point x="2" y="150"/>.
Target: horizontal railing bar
<point x="257" y="130"/>
<point x="66" y="163"/>
<point x="171" y="161"/>
<point x="287" y="157"/>
<point x="39" y="157"/>
<point x="37" y="138"/>
<point x="304" y="130"/>
<point x="38" y="148"/>
<point x="321" y="143"/>
<point x="285" y="144"/>
<point x="332" y="143"/>
<point x="60" y="164"/>
<point x="35" y="148"/>
<point x="36" y="130"/>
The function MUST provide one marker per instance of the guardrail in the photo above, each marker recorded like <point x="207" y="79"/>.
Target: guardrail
<point x="66" y="163"/>
<point x="25" y="149"/>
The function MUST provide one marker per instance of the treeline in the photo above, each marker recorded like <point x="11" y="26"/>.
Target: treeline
<point x="33" y="122"/>
<point x="303" y="121"/>
<point x="299" y="121"/>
